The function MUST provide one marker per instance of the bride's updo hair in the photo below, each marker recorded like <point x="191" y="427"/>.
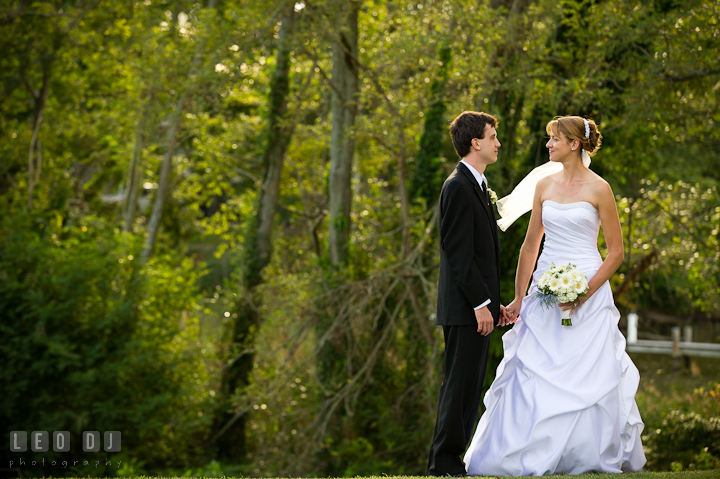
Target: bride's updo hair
<point x="573" y="127"/>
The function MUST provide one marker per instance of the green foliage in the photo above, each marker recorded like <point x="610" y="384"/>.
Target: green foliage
<point x="427" y="179"/>
<point x="684" y="441"/>
<point x="95" y="342"/>
<point x="678" y="409"/>
<point x="676" y="223"/>
<point x="706" y="401"/>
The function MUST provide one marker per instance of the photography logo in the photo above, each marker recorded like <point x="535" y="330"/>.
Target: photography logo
<point x="40" y="441"/>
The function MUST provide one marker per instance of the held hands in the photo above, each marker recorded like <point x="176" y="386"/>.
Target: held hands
<point x="513" y="310"/>
<point x="505" y="317"/>
<point x="485" y="319"/>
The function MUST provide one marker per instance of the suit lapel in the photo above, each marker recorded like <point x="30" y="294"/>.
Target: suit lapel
<point x="493" y="227"/>
<point x="495" y="233"/>
<point x="473" y="182"/>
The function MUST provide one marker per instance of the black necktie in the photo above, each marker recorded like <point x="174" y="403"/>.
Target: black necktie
<point x="484" y="192"/>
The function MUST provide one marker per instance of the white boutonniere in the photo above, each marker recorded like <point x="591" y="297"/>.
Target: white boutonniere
<point x="493" y="195"/>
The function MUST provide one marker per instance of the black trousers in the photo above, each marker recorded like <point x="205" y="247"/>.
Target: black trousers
<point x="466" y="353"/>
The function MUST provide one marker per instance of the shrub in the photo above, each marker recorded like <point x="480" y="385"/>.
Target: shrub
<point x="688" y="440"/>
<point x="706" y="401"/>
<point x="94" y="341"/>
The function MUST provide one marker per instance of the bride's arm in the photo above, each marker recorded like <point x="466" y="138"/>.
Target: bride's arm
<point x="528" y="252"/>
<point x="613" y="238"/>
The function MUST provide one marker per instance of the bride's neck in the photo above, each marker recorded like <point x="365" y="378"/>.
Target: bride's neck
<point x="573" y="169"/>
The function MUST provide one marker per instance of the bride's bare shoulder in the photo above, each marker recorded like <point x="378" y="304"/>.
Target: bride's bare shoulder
<point x="597" y="181"/>
<point x="545" y="183"/>
<point x="548" y="180"/>
<point x="601" y="189"/>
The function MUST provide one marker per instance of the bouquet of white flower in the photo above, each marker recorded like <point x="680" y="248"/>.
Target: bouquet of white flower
<point x="561" y="284"/>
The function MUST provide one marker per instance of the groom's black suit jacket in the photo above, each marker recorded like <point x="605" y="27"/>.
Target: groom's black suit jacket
<point x="469" y="251"/>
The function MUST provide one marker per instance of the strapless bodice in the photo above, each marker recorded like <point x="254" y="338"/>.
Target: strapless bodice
<point x="571" y="234"/>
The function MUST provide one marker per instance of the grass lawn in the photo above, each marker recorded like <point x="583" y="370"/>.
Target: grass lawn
<point x="640" y="475"/>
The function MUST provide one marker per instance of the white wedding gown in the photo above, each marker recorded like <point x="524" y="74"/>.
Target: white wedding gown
<point x="563" y="400"/>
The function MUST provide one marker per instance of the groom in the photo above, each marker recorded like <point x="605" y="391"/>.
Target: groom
<point x="468" y="289"/>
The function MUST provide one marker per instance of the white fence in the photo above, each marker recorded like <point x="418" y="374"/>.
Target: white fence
<point x="675" y="347"/>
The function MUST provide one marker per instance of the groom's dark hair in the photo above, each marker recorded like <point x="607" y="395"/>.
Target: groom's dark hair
<point x="469" y="125"/>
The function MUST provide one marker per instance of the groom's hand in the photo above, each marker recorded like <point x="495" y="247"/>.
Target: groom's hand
<point x="484" y="320"/>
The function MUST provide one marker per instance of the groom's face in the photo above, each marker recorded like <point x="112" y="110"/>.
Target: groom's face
<point x="488" y="146"/>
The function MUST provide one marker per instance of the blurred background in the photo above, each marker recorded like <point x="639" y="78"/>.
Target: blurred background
<point x="218" y="218"/>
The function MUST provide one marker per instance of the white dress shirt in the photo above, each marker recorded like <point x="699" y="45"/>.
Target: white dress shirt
<point x="479" y="177"/>
<point x="482" y="181"/>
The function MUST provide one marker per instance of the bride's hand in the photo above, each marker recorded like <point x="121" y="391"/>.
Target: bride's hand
<point x="573" y="305"/>
<point x="504" y="317"/>
<point x="513" y="309"/>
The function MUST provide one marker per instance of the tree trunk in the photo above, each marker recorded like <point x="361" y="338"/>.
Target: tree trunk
<point x="230" y="427"/>
<point x="278" y="137"/>
<point x="342" y="145"/>
<point x="333" y="368"/>
<point x="39" y="99"/>
<point x="404" y="199"/>
<point x="134" y="176"/>
<point x="163" y="191"/>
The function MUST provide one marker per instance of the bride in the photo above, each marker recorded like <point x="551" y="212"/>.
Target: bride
<point x="563" y="400"/>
